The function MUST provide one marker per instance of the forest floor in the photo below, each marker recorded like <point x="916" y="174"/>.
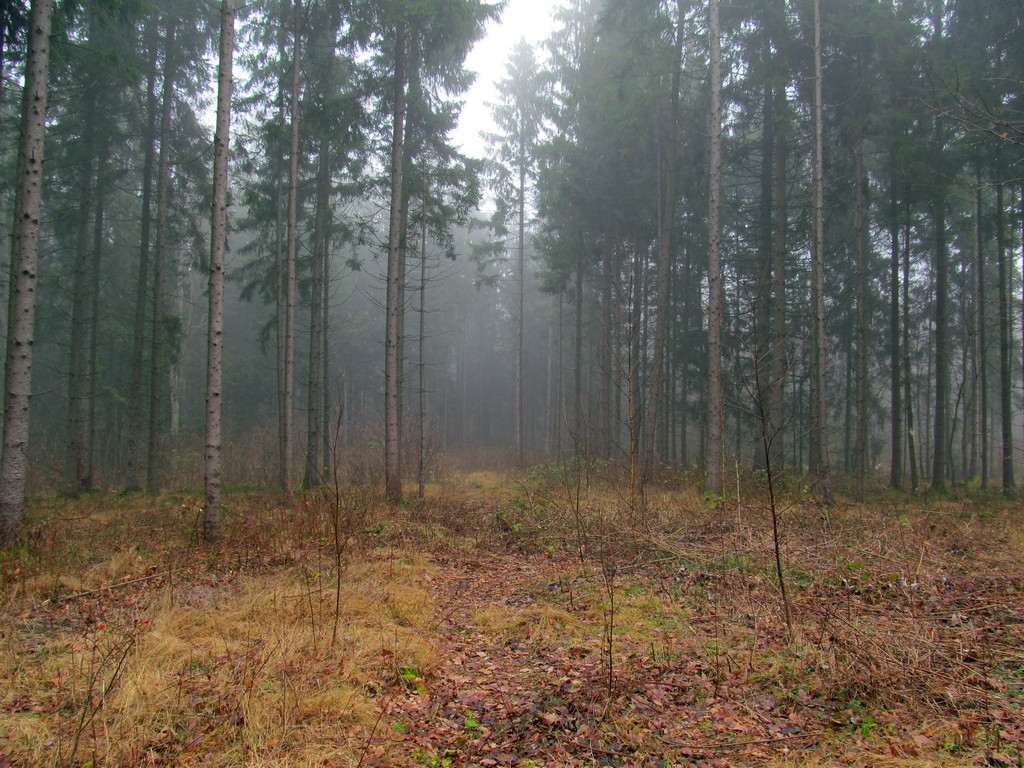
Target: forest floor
<point x="514" y="621"/>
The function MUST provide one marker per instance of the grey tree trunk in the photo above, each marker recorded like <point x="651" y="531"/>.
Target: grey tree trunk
<point x="819" y="459"/>
<point x="74" y="457"/>
<point x="666" y="220"/>
<point x="392" y="367"/>
<point x="157" y="372"/>
<point x="133" y="480"/>
<point x="1005" y="365"/>
<point x="981" y="340"/>
<point x="89" y="475"/>
<point x="24" y="261"/>
<point x="895" y="395"/>
<point x="714" y="480"/>
<point x="942" y="356"/>
<point x="287" y="425"/>
<point x="212" y="528"/>
<point x="520" y="304"/>
<point x="421" y="463"/>
<point x="860" y="451"/>
<point x="315" y="472"/>
<point x="907" y="393"/>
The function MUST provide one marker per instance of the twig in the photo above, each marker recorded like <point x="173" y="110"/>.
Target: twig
<point x="88" y="592"/>
<point x="734" y="744"/>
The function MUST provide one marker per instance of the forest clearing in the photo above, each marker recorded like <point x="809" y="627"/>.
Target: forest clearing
<point x="537" y="618"/>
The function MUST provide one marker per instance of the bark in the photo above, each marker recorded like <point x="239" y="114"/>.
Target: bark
<point x="860" y="462"/>
<point x="942" y="357"/>
<point x="907" y="393"/>
<point x="779" y="358"/>
<point x="980" y="355"/>
<point x="288" y="430"/>
<point x="421" y="463"/>
<point x="315" y="473"/>
<point x="24" y="262"/>
<point x="89" y="475"/>
<point x="819" y="459"/>
<point x="392" y="368"/>
<point x="74" y="458"/>
<point x="715" y="454"/>
<point x="895" y="381"/>
<point x="1005" y="367"/>
<point x="212" y="528"/>
<point x="666" y="219"/>
<point x="520" y="303"/>
<point x="135" y="398"/>
<point x="157" y="373"/>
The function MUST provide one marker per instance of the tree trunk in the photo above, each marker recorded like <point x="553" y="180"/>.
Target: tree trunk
<point x="392" y="368"/>
<point x="24" y="262"/>
<point x="981" y="338"/>
<point x="896" y="404"/>
<point x="212" y="529"/>
<point x="1005" y="367"/>
<point x="520" y="304"/>
<point x="819" y="459"/>
<point x="133" y="481"/>
<point x="157" y="373"/>
<point x="907" y="390"/>
<point x="942" y="357"/>
<point x="287" y="427"/>
<point x="74" y="459"/>
<point x="421" y="463"/>
<point x="315" y="471"/>
<point x="860" y="462"/>
<point x="715" y="455"/>
<point x="89" y="475"/>
<point x="666" y="220"/>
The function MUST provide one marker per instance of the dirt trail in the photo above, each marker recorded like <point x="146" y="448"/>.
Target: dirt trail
<point x="494" y="699"/>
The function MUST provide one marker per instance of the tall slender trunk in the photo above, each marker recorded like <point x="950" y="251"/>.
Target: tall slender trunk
<point x="895" y="360"/>
<point x="24" y="261"/>
<point x="942" y="357"/>
<point x="421" y="463"/>
<point x="157" y="373"/>
<point x="820" y="462"/>
<point x="520" y="304"/>
<point x="907" y="389"/>
<point x="316" y="425"/>
<point x="133" y="480"/>
<point x="779" y="363"/>
<point x="392" y="368"/>
<point x="860" y="463"/>
<point x="578" y="437"/>
<point x="89" y="475"/>
<point x="1005" y="365"/>
<point x="666" y="220"/>
<point x="74" y="459"/>
<point x="212" y="529"/>
<point x="981" y="355"/>
<point x="287" y="426"/>
<point x="715" y="455"/>
<point x="280" y="250"/>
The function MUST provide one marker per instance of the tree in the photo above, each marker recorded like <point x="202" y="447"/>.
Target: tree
<point x="212" y="529"/>
<point x="519" y="117"/>
<point x="820" y="462"/>
<point x="715" y="456"/>
<point x="24" y="262"/>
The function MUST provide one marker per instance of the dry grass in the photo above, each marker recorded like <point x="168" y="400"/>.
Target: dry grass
<point x="126" y="642"/>
<point x="174" y="655"/>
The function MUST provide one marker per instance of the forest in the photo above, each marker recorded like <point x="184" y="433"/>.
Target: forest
<point x="680" y="428"/>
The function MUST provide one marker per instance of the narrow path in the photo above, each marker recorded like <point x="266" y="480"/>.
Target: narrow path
<point x="496" y="700"/>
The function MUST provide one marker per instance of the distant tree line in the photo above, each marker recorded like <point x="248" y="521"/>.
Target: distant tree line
<point x="709" y="227"/>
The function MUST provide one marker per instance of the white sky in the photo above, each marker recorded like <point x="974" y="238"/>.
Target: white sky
<point x="529" y="19"/>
